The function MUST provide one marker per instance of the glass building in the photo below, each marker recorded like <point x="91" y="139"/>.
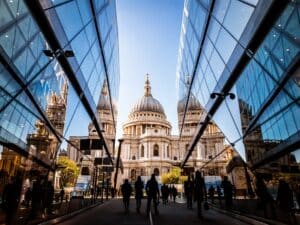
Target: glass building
<point x="242" y="61"/>
<point x="55" y="56"/>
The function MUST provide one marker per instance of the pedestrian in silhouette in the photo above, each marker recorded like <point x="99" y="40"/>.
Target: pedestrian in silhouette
<point x="28" y="196"/>
<point x="138" y="186"/>
<point x="219" y="192"/>
<point x="92" y="192"/>
<point x="10" y="198"/>
<point x="126" y="192"/>
<point x="227" y="187"/>
<point x="266" y="200"/>
<point x="211" y="193"/>
<point x="164" y="193"/>
<point x="174" y="193"/>
<point x="62" y="194"/>
<point x="189" y="190"/>
<point x="298" y="194"/>
<point x="36" y="203"/>
<point x="152" y="194"/>
<point x="199" y="192"/>
<point x="48" y="194"/>
<point x="285" y="201"/>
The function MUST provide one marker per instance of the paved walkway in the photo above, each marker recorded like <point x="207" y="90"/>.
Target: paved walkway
<point x="112" y="213"/>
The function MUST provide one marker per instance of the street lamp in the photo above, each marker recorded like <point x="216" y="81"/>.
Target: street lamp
<point x="58" y="52"/>
<point x="222" y="95"/>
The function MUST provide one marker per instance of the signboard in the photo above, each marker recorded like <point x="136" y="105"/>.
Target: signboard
<point x="102" y="161"/>
<point x="91" y="144"/>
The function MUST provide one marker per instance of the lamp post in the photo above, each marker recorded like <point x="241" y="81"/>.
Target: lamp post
<point x="117" y="163"/>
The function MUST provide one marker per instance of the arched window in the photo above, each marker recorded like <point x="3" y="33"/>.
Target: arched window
<point x="175" y="158"/>
<point x="155" y="150"/>
<point x="133" y="157"/>
<point x="186" y="147"/>
<point x="168" y="151"/>
<point x="85" y="171"/>
<point x="142" y="151"/>
<point x="156" y="172"/>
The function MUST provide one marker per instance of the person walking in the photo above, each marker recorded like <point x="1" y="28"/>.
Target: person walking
<point x="126" y="192"/>
<point x="211" y="193"/>
<point x="199" y="192"/>
<point x="219" y="192"/>
<point x="62" y="194"/>
<point x="10" y="198"/>
<point x="36" y="199"/>
<point x="188" y="190"/>
<point x="285" y="201"/>
<point x="152" y="194"/>
<point x="27" y="197"/>
<point x="138" y="186"/>
<point x="164" y="193"/>
<point x="174" y="193"/>
<point x="227" y="187"/>
<point x="266" y="200"/>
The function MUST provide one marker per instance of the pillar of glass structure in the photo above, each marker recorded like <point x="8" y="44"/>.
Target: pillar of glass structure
<point x="55" y="59"/>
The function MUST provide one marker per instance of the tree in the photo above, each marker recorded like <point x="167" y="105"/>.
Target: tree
<point x="173" y="177"/>
<point x="68" y="171"/>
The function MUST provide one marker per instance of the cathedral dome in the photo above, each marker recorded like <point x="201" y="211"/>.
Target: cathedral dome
<point x="147" y="103"/>
<point x="193" y="104"/>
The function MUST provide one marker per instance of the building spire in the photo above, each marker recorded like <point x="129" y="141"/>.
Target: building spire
<point x="104" y="89"/>
<point x="147" y="87"/>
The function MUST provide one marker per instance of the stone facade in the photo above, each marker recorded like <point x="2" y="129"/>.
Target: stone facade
<point x="149" y="147"/>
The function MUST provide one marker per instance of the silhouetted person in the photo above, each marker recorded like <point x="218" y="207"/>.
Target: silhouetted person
<point x="36" y="202"/>
<point x="126" y="192"/>
<point x="219" y="192"/>
<point x="10" y="198"/>
<point x="113" y="192"/>
<point x="285" y="201"/>
<point x="234" y="192"/>
<point x="164" y="193"/>
<point x="211" y="193"/>
<point x="298" y="194"/>
<point x="227" y="187"/>
<point x="48" y="192"/>
<point x="62" y="194"/>
<point x="107" y="189"/>
<point x="199" y="192"/>
<point x="189" y="190"/>
<point x="138" y="186"/>
<point x="152" y="194"/>
<point x="174" y="193"/>
<point x="266" y="199"/>
<point x="28" y="196"/>
<point x="92" y="192"/>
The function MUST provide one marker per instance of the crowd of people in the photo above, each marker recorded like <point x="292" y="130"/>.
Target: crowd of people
<point x="39" y="197"/>
<point x="194" y="189"/>
<point x="153" y="194"/>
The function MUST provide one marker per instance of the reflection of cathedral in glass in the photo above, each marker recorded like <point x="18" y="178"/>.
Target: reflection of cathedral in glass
<point x="86" y="158"/>
<point x="42" y="143"/>
<point x="149" y="147"/>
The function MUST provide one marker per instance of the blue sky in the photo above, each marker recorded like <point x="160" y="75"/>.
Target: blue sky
<point x="149" y="33"/>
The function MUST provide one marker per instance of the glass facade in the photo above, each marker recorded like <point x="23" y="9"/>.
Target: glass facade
<point x="214" y="37"/>
<point x="240" y="59"/>
<point x="43" y="101"/>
